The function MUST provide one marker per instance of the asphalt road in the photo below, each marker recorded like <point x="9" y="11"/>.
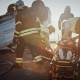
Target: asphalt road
<point x="28" y="72"/>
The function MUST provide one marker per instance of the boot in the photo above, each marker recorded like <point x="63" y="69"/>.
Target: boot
<point x="19" y="65"/>
<point x="41" y="67"/>
<point x="39" y="64"/>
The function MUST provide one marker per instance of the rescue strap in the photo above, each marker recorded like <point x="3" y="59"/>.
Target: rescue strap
<point x="62" y="66"/>
<point x="63" y="61"/>
<point x="46" y="58"/>
<point x="54" y="57"/>
<point x="26" y="32"/>
<point x="38" y="58"/>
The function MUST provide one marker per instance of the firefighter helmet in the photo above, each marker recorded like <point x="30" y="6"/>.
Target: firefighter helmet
<point x="11" y="8"/>
<point x="20" y="4"/>
<point x="67" y="9"/>
<point x="38" y="7"/>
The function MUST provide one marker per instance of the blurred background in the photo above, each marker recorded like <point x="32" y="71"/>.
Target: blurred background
<point x="56" y="7"/>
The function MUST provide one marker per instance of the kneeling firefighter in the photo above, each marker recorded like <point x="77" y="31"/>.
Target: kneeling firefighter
<point x="40" y="9"/>
<point x="27" y="33"/>
<point x="45" y="31"/>
<point x="46" y="49"/>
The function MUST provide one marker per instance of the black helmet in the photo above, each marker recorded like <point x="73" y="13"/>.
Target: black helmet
<point x="38" y="7"/>
<point x="67" y="9"/>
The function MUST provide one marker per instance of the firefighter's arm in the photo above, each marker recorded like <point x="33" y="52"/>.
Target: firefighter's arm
<point x="47" y="41"/>
<point x="65" y="35"/>
<point x="18" y="26"/>
<point x="48" y="44"/>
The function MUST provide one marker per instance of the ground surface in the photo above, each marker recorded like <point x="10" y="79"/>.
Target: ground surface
<point x="30" y="71"/>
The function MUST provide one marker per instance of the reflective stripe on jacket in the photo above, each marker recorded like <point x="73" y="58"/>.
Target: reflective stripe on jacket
<point x="26" y="32"/>
<point x="38" y="58"/>
<point x="19" y="22"/>
<point x="19" y="60"/>
<point x="73" y="23"/>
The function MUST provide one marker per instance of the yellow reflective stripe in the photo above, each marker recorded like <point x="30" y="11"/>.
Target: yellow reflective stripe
<point x="19" y="22"/>
<point x="27" y="30"/>
<point x="38" y="28"/>
<point x="16" y="36"/>
<point x="45" y="57"/>
<point x="37" y="57"/>
<point x="62" y="66"/>
<point x="64" y="21"/>
<point x="63" y="61"/>
<point x="17" y="59"/>
<point x="16" y="32"/>
<point x="28" y="33"/>
<point x="38" y="60"/>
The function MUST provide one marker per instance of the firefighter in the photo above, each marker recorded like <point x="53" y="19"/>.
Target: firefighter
<point x="63" y="17"/>
<point x="27" y="33"/>
<point x="45" y="31"/>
